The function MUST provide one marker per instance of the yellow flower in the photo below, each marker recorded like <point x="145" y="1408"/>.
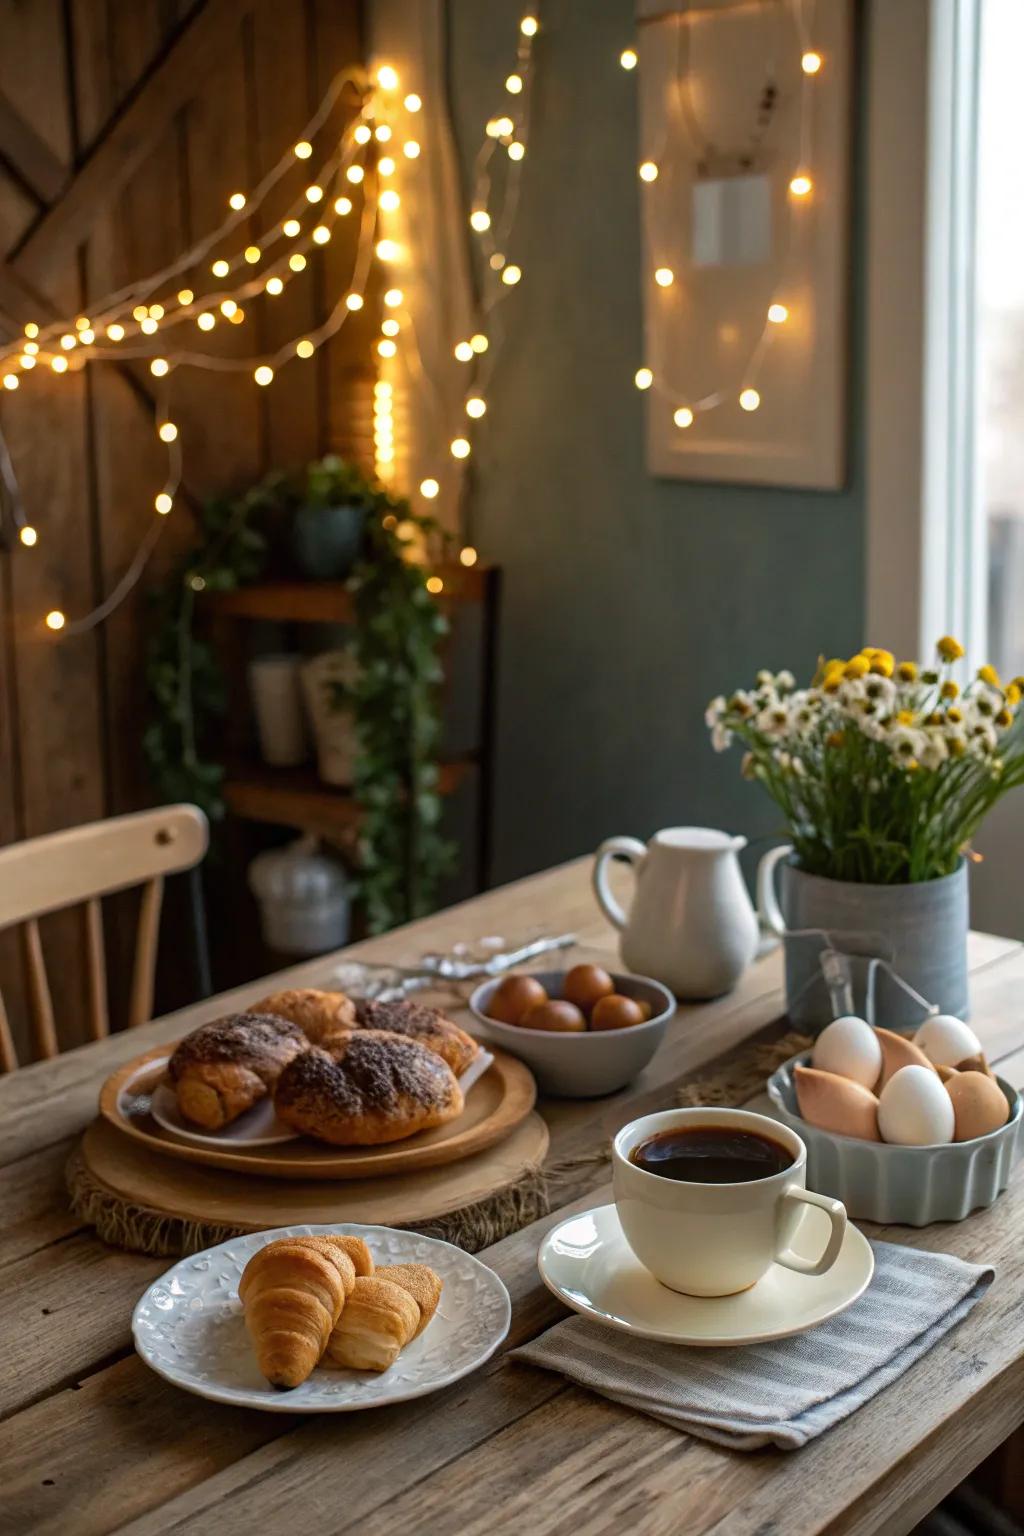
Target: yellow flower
<point x="907" y="671"/>
<point x="988" y="674"/>
<point x="857" y="666"/>
<point x="950" y="690"/>
<point x="935" y="718"/>
<point x="1018" y="682"/>
<point x="882" y="663"/>
<point x="905" y="717"/>
<point x="950" y="649"/>
<point x="955" y="715"/>
<point x="1004" y="718"/>
<point x="831" y="683"/>
<point x="835" y="739"/>
<point x="911" y="765"/>
<point x="1013" y="694"/>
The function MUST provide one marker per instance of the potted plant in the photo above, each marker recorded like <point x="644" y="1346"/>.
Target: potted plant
<point x="884" y="771"/>
<point x="327" y="525"/>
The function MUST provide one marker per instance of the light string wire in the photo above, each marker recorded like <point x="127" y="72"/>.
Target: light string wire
<point x="687" y="404"/>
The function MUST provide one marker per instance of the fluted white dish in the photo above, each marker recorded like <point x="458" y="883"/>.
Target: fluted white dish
<point x="912" y="1186"/>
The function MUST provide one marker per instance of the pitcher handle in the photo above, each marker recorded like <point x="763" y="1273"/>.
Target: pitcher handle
<point x="628" y="848"/>
<point x="768" y="907"/>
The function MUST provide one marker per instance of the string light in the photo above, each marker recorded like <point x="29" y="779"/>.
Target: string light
<point x="412" y="102"/>
<point x="480" y="220"/>
<point x="354" y="301"/>
<point x="290" y="228"/>
<point x="628" y="58"/>
<point x="382" y="133"/>
<point x="475" y="407"/>
<point x="410" y="149"/>
<point x="343" y="205"/>
<point x="59" y="364"/>
<point x="529" y="26"/>
<point x="159" y="367"/>
<point x="390" y="327"/>
<point x="303" y="149"/>
<point x="393" y="297"/>
<point x="516" y="151"/>
<point x="273" y="286"/>
<point x="749" y="399"/>
<point x="32" y="348"/>
<point x="511" y="275"/>
<point x="185" y="296"/>
<point x="321" y="234"/>
<point x="314" y="194"/>
<point x="664" y="277"/>
<point x="252" y="254"/>
<point x="31" y="330"/>
<point x="228" y="308"/>
<point x="362" y="134"/>
<point x="297" y="262"/>
<point x="778" y="314"/>
<point x="429" y="489"/>
<point x="479" y="342"/>
<point x="460" y="448"/>
<point x="28" y="536"/>
<point x="163" y="503"/>
<point x="55" y="619"/>
<point x="643" y="378"/>
<point x="464" y="351"/>
<point x="237" y="317"/>
<point x="355" y="174"/>
<point x="810" y="62"/>
<point x="82" y="323"/>
<point x="167" y="432"/>
<point x="387" y="78"/>
<point x="10" y="381"/>
<point x="386" y="348"/>
<point x="648" y="171"/>
<point x="149" y="325"/>
<point x="683" y="417"/>
<point x="69" y="341"/>
<point x="115" y="332"/>
<point x="387" y="250"/>
<point x="304" y="348"/>
<point x="26" y="361"/>
<point x="237" y="201"/>
<point x="434" y="585"/>
<point x="263" y="374"/>
<point x="514" y="84"/>
<point x="389" y="200"/>
<point x="800" y="185"/>
<point x="220" y="268"/>
<point x="468" y="555"/>
<point x="87" y="337"/>
<point x="206" y="321"/>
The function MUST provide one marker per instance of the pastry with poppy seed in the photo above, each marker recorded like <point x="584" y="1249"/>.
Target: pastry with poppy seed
<point x="223" y="1068"/>
<point x="427" y="1025"/>
<point x="370" y="1087"/>
<point x="318" y="1014"/>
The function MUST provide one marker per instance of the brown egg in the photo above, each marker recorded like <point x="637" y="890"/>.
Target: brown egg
<point x="616" y="1012"/>
<point x="975" y="1064"/>
<point x="645" y="1008"/>
<point x="556" y="1016"/>
<point x="514" y="998"/>
<point x="897" y="1052"/>
<point x="836" y="1104"/>
<point x="585" y="985"/>
<point x="979" y="1105"/>
<point x="947" y="1072"/>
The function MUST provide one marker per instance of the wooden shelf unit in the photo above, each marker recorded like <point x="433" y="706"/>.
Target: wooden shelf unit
<point x="330" y="602"/>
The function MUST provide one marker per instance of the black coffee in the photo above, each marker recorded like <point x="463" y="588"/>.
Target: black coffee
<point x="711" y="1154"/>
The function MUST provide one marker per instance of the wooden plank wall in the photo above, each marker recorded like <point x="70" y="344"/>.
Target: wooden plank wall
<point x="124" y="127"/>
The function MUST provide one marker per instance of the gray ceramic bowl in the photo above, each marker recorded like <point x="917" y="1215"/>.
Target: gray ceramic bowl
<point x="911" y="1186"/>
<point x="590" y="1064"/>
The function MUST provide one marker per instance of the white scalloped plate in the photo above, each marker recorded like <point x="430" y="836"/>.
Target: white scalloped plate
<point x="188" y="1327"/>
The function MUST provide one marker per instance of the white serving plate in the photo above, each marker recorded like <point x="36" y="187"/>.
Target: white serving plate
<point x="588" y="1264"/>
<point x="188" y="1327"/>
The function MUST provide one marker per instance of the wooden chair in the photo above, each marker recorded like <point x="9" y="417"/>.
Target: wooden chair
<point x="77" y="868"/>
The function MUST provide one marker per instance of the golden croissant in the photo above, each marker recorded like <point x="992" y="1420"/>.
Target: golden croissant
<point x="293" y="1292"/>
<point x="383" y="1313"/>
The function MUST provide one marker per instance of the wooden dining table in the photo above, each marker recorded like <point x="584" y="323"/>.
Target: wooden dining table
<point x="92" y="1441"/>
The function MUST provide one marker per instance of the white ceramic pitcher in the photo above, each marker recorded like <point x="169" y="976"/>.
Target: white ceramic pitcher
<point x="692" y="924"/>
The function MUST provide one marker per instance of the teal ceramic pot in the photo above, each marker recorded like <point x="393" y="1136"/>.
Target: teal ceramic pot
<point x="326" y="541"/>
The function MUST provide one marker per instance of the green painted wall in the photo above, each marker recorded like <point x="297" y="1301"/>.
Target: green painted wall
<point x="629" y="601"/>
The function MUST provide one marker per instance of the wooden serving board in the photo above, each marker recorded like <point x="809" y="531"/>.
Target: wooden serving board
<point x="142" y="1179"/>
<point x="495" y="1105"/>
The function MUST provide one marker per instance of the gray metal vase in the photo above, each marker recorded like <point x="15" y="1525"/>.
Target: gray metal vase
<point x="920" y="930"/>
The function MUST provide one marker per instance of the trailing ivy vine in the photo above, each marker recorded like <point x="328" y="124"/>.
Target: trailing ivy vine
<point x="395" y="698"/>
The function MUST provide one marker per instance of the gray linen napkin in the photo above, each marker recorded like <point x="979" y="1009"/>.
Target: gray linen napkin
<point x="783" y="1393"/>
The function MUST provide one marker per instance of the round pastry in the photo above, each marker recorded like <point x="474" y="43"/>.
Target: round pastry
<point x="373" y="1086"/>
<point x="222" y="1068"/>
<point x="427" y="1025"/>
<point x="318" y="1014"/>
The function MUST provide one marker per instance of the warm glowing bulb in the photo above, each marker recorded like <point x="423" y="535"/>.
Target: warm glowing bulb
<point x="87" y="337"/>
<point x="263" y="374"/>
<point x="778" y="314"/>
<point x="159" y="366"/>
<point x="343" y="205"/>
<point x="362" y="134"/>
<point x="480" y="220"/>
<point x="82" y="323"/>
<point x="478" y="342"/>
<point x="303" y="149"/>
<point x="32" y="330"/>
<point x="291" y="227"/>
<point x="749" y="399"/>
<point x="304" y="348"/>
<point x="387" y="78"/>
<point x="26" y="361"/>
<point x="382" y="133"/>
<point x="516" y="151"/>
<point x="496" y="261"/>
<point x="115" y="332"/>
<point x="800" y="186"/>
<point x="237" y="317"/>
<point x="475" y="407"/>
<point x="28" y="536"/>
<point x="220" y="268"/>
<point x="386" y="250"/>
<point x="412" y="102"/>
<point x="55" y="619"/>
<point x="434" y="584"/>
<point x="140" y="312"/>
<point x="68" y="341"/>
<point x="237" y="201"/>
<point x="167" y="432"/>
<point x="493" y="129"/>
<point x="314" y="194"/>
<point x="185" y="296"/>
<point x="648" y="171"/>
<point x="59" y="364"/>
<point x="393" y="298"/>
<point x="460" y="448"/>
<point x="206" y="321"/>
<point x="383" y="389"/>
<point x="157" y="311"/>
<point x="528" y="26"/>
<point x="321" y="234"/>
<point x="274" y="286"/>
<point x="468" y="555"/>
<point x="505" y="127"/>
<point x="464" y="351"/>
<point x="228" y="308"/>
<point x="643" y="378"/>
<point x="10" y="381"/>
<point x="390" y="327"/>
<point x="683" y="417"/>
<point x="429" y="488"/>
<point x="32" y="347"/>
<point x="410" y="149"/>
<point x="664" y="277"/>
<point x="297" y="262"/>
<point x="386" y="348"/>
<point x="511" y="275"/>
<point x="355" y="174"/>
<point x="252" y="254"/>
<point x="389" y="200"/>
<point x="149" y="325"/>
<point x="810" y="62"/>
<point x="514" y="84"/>
<point x="163" y="503"/>
<point x="628" y="58"/>
<point x="354" y="301"/>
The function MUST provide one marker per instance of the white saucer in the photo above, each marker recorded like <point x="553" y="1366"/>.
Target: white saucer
<point x="587" y="1262"/>
<point x="188" y="1327"/>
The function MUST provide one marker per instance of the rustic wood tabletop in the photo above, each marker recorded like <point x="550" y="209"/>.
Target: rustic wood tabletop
<point x="91" y="1441"/>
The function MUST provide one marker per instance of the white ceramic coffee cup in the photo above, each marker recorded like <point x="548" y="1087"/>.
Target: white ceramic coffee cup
<point x="717" y="1239"/>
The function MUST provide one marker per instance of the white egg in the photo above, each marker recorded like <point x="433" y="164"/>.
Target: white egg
<point x="849" y="1047"/>
<point x="947" y="1040"/>
<point x="914" y="1109"/>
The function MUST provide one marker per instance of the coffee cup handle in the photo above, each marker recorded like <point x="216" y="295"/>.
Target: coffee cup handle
<point x="836" y="1212"/>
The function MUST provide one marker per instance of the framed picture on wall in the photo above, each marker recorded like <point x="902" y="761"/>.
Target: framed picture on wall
<point x="744" y="187"/>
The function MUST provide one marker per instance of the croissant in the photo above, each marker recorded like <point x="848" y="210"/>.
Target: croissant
<point x="382" y="1315"/>
<point x="222" y="1068"/>
<point x="317" y="1014"/>
<point x="292" y="1294"/>
<point x="427" y="1025"/>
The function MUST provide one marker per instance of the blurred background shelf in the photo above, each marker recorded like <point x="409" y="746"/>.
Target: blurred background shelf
<point x="330" y="602"/>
